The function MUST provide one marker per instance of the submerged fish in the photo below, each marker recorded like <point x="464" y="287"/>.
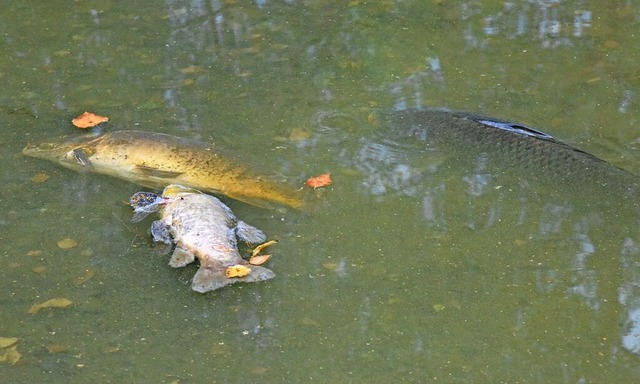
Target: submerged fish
<point x="201" y="227"/>
<point x="156" y="160"/>
<point x="500" y="147"/>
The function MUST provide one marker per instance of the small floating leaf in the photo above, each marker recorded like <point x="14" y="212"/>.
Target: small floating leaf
<point x="88" y="120"/>
<point x="67" y="243"/>
<point x="320" y="181"/>
<point x="237" y="271"/>
<point x="7" y="341"/>
<point x="58" y="302"/>
<point x="262" y="246"/>
<point x="259" y="259"/>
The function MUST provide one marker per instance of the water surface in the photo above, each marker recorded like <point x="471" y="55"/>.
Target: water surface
<point x="394" y="275"/>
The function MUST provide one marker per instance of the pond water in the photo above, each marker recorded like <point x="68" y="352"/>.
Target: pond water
<point x="415" y="265"/>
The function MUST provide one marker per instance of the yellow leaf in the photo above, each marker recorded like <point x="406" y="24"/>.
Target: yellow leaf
<point x="237" y="271"/>
<point x="262" y="246"/>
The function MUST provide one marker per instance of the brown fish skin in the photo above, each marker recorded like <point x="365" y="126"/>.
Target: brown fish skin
<point x="202" y="227"/>
<point x="156" y="160"/>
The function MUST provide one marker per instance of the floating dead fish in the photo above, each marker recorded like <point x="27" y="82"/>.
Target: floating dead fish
<point x="202" y="227"/>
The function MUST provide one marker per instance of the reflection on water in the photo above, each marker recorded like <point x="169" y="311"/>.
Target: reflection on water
<point x="530" y="204"/>
<point x="422" y="262"/>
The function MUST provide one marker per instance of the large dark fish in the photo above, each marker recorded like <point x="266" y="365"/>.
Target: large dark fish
<point x="504" y="147"/>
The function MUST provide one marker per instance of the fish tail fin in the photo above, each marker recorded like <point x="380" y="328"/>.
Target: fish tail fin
<point x="210" y="279"/>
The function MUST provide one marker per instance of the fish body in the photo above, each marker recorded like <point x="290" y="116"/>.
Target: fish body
<point x="156" y="160"/>
<point x="500" y="147"/>
<point x="203" y="228"/>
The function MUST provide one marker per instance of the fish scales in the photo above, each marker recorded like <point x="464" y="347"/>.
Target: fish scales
<point x="510" y="147"/>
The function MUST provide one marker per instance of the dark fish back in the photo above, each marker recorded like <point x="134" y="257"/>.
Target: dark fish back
<point x="510" y="148"/>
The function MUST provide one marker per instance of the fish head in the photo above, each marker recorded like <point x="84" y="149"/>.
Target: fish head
<point x="72" y="153"/>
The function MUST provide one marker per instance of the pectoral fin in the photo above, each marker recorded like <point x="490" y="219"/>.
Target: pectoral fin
<point x="181" y="257"/>
<point x="155" y="172"/>
<point x="249" y="234"/>
<point x="82" y="157"/>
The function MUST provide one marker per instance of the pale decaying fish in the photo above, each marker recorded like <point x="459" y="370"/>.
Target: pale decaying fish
<point x="156" y="160"/>
<point x="201" y="227"/>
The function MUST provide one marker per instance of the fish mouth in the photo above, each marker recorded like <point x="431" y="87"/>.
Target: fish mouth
<point x="55" y="149"/>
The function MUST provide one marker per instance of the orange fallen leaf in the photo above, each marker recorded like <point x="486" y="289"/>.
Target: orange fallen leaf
<point x="320" y="181"/>
<point x="259" y="259"/>
<point x="88" y="120"/>
<point x="237" y="271"/>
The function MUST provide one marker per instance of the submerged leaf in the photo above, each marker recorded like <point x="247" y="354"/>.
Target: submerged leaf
<point x="298" y="134"/>
<point x="57" y="348"/>
<point x="67" y="243"/>
<point x="58" y="302"/>
<point x="40" y="177"/>
<point x="7" y="341"/>
<point x="10" y="355"/>
<point x="87" y="275"/>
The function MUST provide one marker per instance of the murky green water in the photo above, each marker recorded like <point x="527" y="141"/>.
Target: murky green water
<point x="393" y="277"/>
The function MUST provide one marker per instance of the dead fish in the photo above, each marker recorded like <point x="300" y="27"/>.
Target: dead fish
<point x="202" y="227"/>
<point x="156" y="160"/>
